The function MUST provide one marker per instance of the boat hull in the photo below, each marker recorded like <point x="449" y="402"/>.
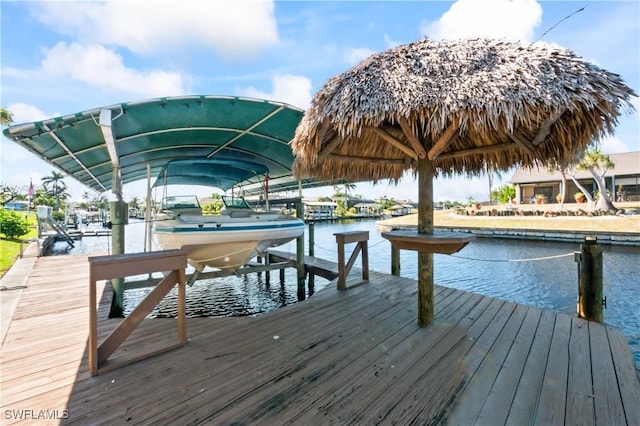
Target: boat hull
<point x="224" y="242"/>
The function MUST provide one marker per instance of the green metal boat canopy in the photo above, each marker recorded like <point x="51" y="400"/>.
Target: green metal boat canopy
<point x="223" y="174"/>
<point x="216" y="141"/>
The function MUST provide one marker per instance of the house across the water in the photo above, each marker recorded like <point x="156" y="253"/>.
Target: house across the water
<point x="19" y="206"/>
<point x="622" y="180"/>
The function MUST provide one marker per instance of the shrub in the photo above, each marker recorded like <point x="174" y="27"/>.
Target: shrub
<point x="12" y="224"/>
<point x="212" y="208"/>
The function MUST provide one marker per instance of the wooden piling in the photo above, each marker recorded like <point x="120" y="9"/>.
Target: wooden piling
<point x="300" y="254"/>
<point x="311" y="239"/>
<point x="119" y="213"/>
<point x="590" y="301"/>
<point x="395" y="260"/>
<point x="426" y="311"/>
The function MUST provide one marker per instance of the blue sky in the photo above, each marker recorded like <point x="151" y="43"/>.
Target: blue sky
<point x="64" y="57"/>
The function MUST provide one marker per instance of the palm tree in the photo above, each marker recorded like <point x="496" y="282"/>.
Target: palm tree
<point x="337" y="193"/>
<point x="134" y="203"/>
<point x="57" y="186"/>
<point x="43" y="198"/>
<point x="100" y="202"/>
<point x="6" y="118"/>
<point x="86" y="196"/>
<point x="597" y="164"/>
<point x="348" y="187"/>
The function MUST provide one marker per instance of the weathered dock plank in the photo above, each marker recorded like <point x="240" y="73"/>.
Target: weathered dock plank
<point x="552" y="404"/>
<point x="527" y="395"/>
<point x="507" y="381"/>
<point x="607" y="404"/>
<point x="580" y="408"/>
<point x="352" y="356"/>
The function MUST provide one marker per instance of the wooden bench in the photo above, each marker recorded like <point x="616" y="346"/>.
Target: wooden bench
<point x="361" y="238"/>
<point x="123" y="265"/>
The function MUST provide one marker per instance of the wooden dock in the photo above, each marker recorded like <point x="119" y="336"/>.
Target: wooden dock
<point x="353" y="356"/>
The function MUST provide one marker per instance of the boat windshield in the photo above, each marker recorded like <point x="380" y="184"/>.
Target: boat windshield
<point x="235" y="203"/>
<point x="180" y="202"/>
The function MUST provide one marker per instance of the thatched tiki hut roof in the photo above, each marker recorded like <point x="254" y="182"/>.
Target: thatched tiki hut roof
<point x="467" y="105"/>
<point x="459" y="107"/>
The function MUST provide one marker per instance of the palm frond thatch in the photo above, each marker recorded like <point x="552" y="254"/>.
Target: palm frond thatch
<point x="469" y="105"/>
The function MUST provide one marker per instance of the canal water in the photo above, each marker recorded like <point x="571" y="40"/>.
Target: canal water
<point x="534" y="273"/>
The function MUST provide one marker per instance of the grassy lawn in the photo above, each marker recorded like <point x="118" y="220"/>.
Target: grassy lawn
<point x="446" y="218"/>
<point x="567" y="223"/>
<point x="10" y="249"/>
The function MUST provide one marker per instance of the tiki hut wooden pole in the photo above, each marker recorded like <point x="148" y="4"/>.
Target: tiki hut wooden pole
<point x="426" y="311"/>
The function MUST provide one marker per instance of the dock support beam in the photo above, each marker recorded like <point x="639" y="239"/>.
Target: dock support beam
<point x="119" y="216"/>
<point x="300" y="254"/>
<point x="590" y="300"/>
<point x="311" y="239"/>
<point x="395" y="260"/>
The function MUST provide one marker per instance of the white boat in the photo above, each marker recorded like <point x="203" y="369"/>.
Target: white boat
<point x="226" y="241"/>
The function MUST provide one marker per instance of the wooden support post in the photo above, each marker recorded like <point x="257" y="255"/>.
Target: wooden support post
<point x="119" y="213"/>
<point x="311" y="283"/>
<point x="311" y="239"/>
<point x="300" y="254"/>
<point x="267" y="273"/>
<point x="395" y="260"/>
<point x="425" y="226"/>
<point x="361" y="238"/>
<point x="182" y="307"/>
<point x="590" y="300"/>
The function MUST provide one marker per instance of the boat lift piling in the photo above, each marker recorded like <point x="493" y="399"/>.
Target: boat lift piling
<point x="590" y="300"/>
<point x="300" y="254"/>
<point x="119" y="217"/>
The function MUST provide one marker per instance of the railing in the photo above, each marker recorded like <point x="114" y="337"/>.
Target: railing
<point x="60" y="230"/>
<point x="123" y="265"/>
<point x="342" y="238"/>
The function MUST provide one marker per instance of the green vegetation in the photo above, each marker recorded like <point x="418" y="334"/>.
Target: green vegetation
<point x="54" y="184"/>
<point x="597" y="163"/>
<point x="12" y="224"/>
<point x="504" y="194"/>
<point x="213" y="207"/>
<point x="6" y="117"/>
<point x="387" y="202"/>
<point x="10" y="248"/>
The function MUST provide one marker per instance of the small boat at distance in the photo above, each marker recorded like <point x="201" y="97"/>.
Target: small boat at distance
<point x="225" y="241"/>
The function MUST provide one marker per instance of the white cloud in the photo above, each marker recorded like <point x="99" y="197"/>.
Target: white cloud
<point x="24" y="113"/>
<point x="292" y="89"/>
<point x="513" y="20"/>
<point x="102" y="68"/>
<point x="354" y="56"/>
<point x="389" y="42"/>
<point x="238" y="29"/>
